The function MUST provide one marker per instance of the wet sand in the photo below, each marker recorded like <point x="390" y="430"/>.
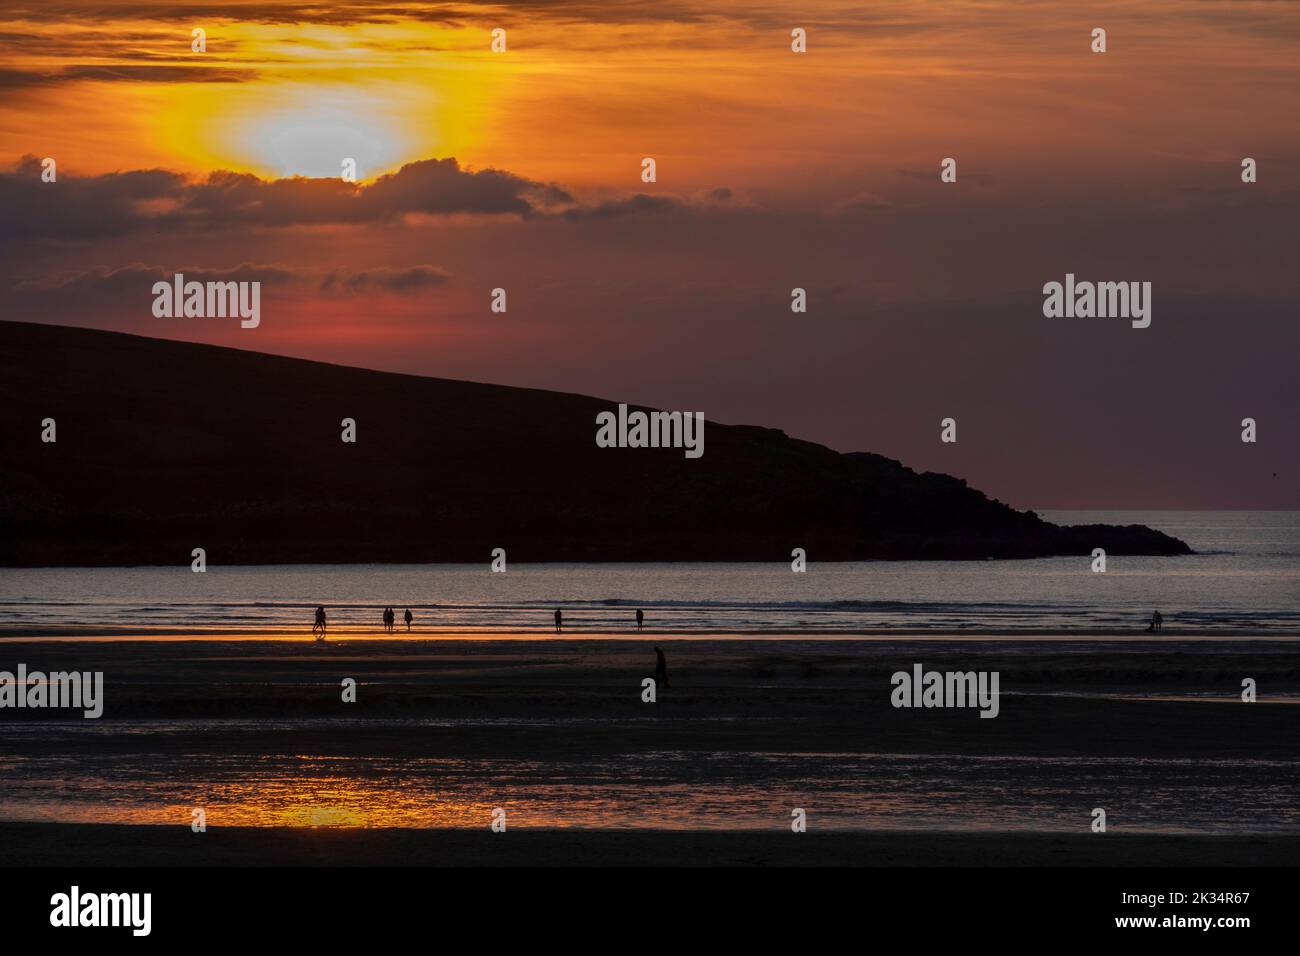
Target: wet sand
<point x="1063" y="696"/>
<point x="99" y="845"/>
<point x="1127" y="693"/>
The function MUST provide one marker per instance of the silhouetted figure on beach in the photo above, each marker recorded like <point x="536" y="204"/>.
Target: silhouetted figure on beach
<point x="661" y="669"/>
<point x="559" y="620"/>
<point x="409" y="618"/>
<point x="640" y="619"/>
<point x="388" y="620"/>
<point x="1157" y="622"/>
<point x="319" y="627"/>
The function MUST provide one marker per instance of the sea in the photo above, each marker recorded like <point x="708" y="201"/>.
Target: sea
<point x="1245" y="576"/>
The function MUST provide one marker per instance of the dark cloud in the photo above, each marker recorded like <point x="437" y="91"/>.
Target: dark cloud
<point x="638" y="205"/>
<point x="403" y="281"/>
<point x="102" y="280"/>
<point x="259" y="11"/>
<point x="138" y="73"/>
<point x="20" y="79"/>
<point x="441" y="186"/>
<point x="642" y="205"/>
<point x="121" y="203"/>
<point x="102" y="287"/>
<point x="78" y="207"/>
<point x="881" y="19"/>
<point x="374" y="11"/>
<point x="117" y="204"/>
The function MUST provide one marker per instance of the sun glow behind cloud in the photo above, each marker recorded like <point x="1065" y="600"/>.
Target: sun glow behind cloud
<point x="288" y="99"/>
<point x="379" y="94"/>
<point x="711" y="89"/>
<point x="312" y="131"/>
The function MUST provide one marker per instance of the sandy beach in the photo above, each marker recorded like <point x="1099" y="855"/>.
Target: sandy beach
<point x="837" y="685"/>
<point x="551" y="727"/>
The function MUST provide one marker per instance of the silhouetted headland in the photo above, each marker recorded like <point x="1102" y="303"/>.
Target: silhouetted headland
<point x="167" y="446"/>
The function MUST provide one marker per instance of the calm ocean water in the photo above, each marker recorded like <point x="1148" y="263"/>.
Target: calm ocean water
<point x="1246" y="575"/>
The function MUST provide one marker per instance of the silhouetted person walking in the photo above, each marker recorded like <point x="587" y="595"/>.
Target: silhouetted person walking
<point x="1157" y="621"/>
<point x="640" y="619"/>
<point x="409" y="618"/>
<point x="661" y="669"/>
<point x="388" y="619"/>
<point x="319" y="627"/>
<point x="559" y="620"/>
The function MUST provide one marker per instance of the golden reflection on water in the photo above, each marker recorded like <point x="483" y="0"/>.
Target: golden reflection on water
<point x="335" y="801"/>
<point x="646" y="791"/>
<point x="272" y="798"/>
<point x="324" y="799"/>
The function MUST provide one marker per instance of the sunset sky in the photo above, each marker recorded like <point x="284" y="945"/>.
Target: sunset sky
<point x="820" y="170"/>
